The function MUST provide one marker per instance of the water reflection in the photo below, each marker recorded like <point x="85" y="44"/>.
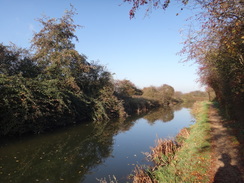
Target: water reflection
<point x="164" y="114"/>
<point x="68" y="155"/>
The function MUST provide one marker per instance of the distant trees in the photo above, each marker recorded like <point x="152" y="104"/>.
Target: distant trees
<point x="218" y="47"/>
<point x="163" y="93"/>
<point x="167" y="93"/>
<point x="126" y="88"/>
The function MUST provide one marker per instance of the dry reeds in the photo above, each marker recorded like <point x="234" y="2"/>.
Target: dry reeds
<point x="111" y="180"/>
<point x="141" y="176"/>
<point x="182" y="135"/>
<point x="163" y="153"/>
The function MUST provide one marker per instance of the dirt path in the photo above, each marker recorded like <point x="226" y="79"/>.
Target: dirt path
<point x="226" y="163"/>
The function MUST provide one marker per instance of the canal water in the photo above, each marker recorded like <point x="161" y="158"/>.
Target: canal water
<point x="88" y="152"/>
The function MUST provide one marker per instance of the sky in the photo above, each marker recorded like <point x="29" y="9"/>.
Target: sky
<point x="143" y="49"/>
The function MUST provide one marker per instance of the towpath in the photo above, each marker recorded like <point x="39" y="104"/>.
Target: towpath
<point x="227" y="163"/>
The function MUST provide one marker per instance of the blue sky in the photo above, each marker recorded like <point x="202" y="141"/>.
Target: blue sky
<point x="142" y="50"/>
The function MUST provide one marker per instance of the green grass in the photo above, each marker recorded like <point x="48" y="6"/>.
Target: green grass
<point x="191" y="162"/>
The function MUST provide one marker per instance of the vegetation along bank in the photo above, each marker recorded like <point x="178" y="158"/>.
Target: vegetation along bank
<point x="52" y="85"/>
<point x="183" y="159"/>
<point x="211" y="150"/>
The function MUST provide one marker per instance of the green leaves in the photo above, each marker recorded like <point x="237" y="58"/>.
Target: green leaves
<point x="54" y="87"/>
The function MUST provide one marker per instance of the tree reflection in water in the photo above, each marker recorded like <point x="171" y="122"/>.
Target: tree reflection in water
<point x="67" y="155"/>
<point x="164" y="114"/>
<point x="63" y="156"/>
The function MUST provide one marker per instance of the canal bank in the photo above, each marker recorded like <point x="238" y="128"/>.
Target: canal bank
<point x="208" y="151"/>
<point x="187" y="158"/>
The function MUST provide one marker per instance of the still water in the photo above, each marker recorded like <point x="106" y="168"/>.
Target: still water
<point x="88" y="152"/>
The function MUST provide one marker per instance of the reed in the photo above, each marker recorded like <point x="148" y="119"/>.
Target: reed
<point x="182" y="136"/>
<point x="142" y="176"/>
<point x="110" y="180"/>
<point x="161" y="155"/>
<point x="164" y="151"/>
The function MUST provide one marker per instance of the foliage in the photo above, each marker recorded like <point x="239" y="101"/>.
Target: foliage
<point x="218" y="49"/>
<point x="125" y="88"/>
<point x="14" y="60"/>
<point x="33" y="106"/>
<point x="164" y="94"/>
<point x="157" y="4"/>
<point x="217" y="46"/>
<point x="55" y="86"/>
<point x="194" y="96"/>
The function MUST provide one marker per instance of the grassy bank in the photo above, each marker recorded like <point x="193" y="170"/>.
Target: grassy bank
<point x="185" y="159"/>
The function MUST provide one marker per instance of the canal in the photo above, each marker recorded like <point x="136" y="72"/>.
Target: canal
<point x="88" y="152"/>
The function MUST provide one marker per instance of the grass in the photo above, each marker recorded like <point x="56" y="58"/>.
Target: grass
<point x="191" y="162"/>
<point x="183" y="160"/>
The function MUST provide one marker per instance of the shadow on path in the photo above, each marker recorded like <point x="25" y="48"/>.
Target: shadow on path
<point x="228" y="173"/>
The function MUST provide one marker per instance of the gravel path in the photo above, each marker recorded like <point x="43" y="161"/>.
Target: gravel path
<point x="226" y="164"/>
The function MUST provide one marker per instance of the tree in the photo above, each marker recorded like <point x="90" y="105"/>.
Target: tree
<point x="218" y="46"/>
<point x="167" y="93"/>
<point x="55" y="86"/>
<point x="150" y="92"/>
<point x="157" y="4"/>
<point x="54" y="50"/>
<point x="163" y="93"/>
<point x="126" y="88"/>
<point x="219" y="50"/>
<point x="14" y="61"/>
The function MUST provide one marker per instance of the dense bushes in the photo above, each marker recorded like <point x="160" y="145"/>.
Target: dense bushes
<point x="55" y="86"/>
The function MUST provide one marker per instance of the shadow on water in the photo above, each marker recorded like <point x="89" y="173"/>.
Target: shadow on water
<point x="67" y="155"/>
<point x="228" y="173"/>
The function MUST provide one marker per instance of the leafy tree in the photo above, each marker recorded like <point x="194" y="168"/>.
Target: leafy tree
<point x="56" y="86"/>
<point x="126" y="88"/>
<point x="157" y="4"/>
<point x="217" y="47"/>
<point x="150" y="92"/>
<point x="166" y="92"/>
<point x="14" y="60"/>
<point x="54" y="48"/>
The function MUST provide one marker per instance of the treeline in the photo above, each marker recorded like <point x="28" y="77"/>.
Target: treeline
<point x="219" y="50"/>
<point x="52" y="85"/>
<point x="216" y="44"/>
